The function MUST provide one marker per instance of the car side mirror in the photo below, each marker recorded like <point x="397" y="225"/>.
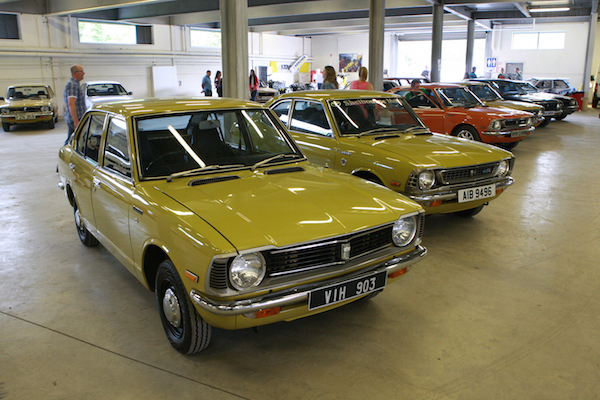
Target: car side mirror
<point x="130" y="93"/>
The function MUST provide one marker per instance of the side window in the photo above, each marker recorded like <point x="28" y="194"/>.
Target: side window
<point x="94" y="134"/>
<point x="116" y="149"/>
<point x="309" y="116"/>
<point x="545" y="84"/>
<point x="283" y="111"/>
<point x="560" y="84"/>
<point x="90" y="135"/>
<point x="80" y="141"/>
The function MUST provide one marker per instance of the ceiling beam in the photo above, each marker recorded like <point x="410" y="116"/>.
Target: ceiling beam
<point x="523" y="9"/>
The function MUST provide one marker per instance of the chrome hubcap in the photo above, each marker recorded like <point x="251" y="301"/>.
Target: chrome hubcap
<point x="171" y="308"/>
<point x="78" y="219"/>
<point x="465" y="135"/>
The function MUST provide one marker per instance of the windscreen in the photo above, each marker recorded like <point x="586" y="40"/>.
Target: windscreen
<point x="458" y="97"/>
<point x="174" y="143"/>
<point x="361" y="116"/>
<point x="28" y="92"/>
<point x="484" y="92"/>
<point x="105" y="89"/>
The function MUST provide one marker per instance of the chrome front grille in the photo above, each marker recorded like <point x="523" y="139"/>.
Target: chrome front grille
<point x="25" y="109"/>
<point x="516" y="123"/>
<point x="468" y="174"/>
<point x="315" y="255"/>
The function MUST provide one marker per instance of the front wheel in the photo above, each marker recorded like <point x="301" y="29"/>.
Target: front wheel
<point x="545" y="122"/>
<point x="6" y="127"/>
<point x="467" y="132"/>
<point x="185" y="328"/>
<point x="470" y="212"/>
<point x="84" y="235"/>
<point x="51" y="123"/>
<point x="508" y="146"/>
<point x="560" y="117"/>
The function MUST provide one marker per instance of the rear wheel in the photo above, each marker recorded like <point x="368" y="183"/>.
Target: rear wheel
<point x="6" y="127"/>
<point x="84" y="235"/>
<point x="185" y="328"/>
<point x="467" y="132"/>
<point x="470" y="212"/>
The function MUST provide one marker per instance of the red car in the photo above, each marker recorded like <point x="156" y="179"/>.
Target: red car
<point x="454" y="110"/>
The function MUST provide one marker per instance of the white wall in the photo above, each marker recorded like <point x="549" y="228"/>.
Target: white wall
<point x="566" y="63"/>
<point x="49" y="46"/>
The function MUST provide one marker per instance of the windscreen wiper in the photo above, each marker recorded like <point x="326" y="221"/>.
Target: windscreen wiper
<point x="276" y="157"/>
<point x="202" y="169"/>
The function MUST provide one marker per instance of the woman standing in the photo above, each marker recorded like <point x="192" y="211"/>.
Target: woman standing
<point x="329" y="78"/>
<point x="219" y="84"/>
<point x="253" y="83"/>
<point x="361" y="83"/>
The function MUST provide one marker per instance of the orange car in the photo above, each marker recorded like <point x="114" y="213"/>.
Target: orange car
<point x="454" y="110"/>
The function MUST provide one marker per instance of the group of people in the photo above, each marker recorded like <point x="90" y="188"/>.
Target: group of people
<point x="74" y="97"/>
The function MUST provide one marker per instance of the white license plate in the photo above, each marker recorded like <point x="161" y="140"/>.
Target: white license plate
<point x="477" y="193"/>
<point x="346" y="290"/>
<point x="518" y="133"/>
<point x="25" y="116"/>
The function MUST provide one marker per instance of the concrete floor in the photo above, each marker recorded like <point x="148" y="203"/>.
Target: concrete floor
<point x="506" y="306"/>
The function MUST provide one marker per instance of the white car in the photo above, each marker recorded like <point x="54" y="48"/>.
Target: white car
<point x="265" y="93"/>
<point x="104" y="92"/>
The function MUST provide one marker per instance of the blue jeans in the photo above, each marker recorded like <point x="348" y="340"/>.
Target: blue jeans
<point x="71" y="126"/>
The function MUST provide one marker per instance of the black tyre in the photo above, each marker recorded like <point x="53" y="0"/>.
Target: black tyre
<point x="6" y="127"/>
<point x="185" y="329"/>
<point x="467" y="132"/>
<point x="561" y="117"/>
<point x="84" y="235"/>
<point x="509" y="146"/>
<point x="545" y="122"/>
<point x="470" y="212"/>
<point x="51" y="123"/>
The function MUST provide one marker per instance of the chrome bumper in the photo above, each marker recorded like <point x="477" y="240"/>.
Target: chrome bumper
<point x="299" y="294"/>
<point x="451" y="195"/>
<point x="522" y="132"/>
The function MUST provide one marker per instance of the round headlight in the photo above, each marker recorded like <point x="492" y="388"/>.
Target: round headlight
<point x="247" y="271"/>
<point x="495" y="125"/>
<point x="503" y="168"/>
<point x="426" y="180"/>
<point x="45" y="108"/>
<point x="4" y="110"/>
<point x="404" y="231"/>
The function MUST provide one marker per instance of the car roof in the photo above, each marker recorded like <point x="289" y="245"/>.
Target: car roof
<point x="129" y="108"/>
<point x="28" y="84"/>
<point x="336" y="94"/>
<point x="102" y="83"/>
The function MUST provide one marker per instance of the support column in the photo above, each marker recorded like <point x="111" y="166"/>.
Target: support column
<point x="589" y="55"/>
<point x="436" y="40"/>
<point x="376" y="42"/>
<point x="234" y="48"/>
<point x="470" y="44"/>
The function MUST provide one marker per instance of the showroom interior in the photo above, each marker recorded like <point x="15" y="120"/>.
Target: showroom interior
<point x="506" y="304"/>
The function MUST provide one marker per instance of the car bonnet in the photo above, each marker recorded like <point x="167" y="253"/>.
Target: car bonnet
<point x="437" y="150"/>
<point x="255" y="209"/>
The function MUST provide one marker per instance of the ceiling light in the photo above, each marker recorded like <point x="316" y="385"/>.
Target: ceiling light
<point x="557" y="9"/>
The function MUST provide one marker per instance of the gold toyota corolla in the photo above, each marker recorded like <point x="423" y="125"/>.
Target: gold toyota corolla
<point x="377" y="136"/>
<point x="211" y="205"/>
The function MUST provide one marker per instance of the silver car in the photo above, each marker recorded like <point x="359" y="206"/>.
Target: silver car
<point x="104" y="92"/>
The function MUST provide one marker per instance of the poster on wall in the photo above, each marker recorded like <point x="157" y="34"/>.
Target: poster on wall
<point x="350" y="62"/>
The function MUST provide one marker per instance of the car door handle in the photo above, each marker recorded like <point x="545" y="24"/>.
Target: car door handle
<point x="96" y="183"/>
<point x="72" y="166"/>
<point x="138" y="210"/>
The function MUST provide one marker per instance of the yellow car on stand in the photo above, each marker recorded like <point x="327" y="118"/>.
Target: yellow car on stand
<point x="377" y="136"/>
<point x="29" y="104"/>
<point x="211" y="205"/>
